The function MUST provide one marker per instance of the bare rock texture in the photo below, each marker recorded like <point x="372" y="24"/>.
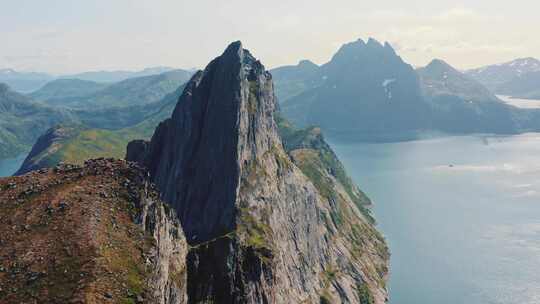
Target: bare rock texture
<point x="260" y="229"/>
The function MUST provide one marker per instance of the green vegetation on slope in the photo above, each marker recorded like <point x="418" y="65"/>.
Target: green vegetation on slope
<point x="95" y="143"/>
<point x="130" y="92"/>
<point x="22" y="121"/>
<point x="317" y="160"/>
<point x="56" y="91"/>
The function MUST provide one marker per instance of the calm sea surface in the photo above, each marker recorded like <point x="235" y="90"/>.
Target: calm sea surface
<point x="11" y="165"/>
<point x="461" y="216"/>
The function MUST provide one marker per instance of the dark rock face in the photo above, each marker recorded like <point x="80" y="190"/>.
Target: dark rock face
<point x="366" y="92"/>
<point x="260" y="231"/>
<point x="200" y="145"/>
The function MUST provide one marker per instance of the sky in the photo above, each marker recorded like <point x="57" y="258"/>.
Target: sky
<point x="67" y="36"/>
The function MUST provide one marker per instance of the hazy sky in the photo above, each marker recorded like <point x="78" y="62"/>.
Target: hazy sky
<point x="65" y="36"/>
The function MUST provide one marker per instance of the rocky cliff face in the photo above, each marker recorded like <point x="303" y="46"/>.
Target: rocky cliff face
<point x="91" y="234"/>
<point x="260" y="230"/>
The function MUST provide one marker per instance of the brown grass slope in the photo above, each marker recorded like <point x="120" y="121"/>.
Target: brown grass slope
<point x="75" y="235"/>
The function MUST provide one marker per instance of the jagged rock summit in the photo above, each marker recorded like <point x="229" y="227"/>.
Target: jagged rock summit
<point x="366" y="92"/>
<point x="259" y="230"/>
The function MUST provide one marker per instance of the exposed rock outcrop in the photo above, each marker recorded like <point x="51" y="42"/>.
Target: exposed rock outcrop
<point x="96" y="233"/>
<point x="260" y="230"/>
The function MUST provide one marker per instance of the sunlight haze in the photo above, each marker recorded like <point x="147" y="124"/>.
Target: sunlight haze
<point x="61" y="36"/>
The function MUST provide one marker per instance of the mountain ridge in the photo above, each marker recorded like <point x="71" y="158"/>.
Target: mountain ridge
<point x="221" y="151"/>
<point x="368" y="86"/>
<point x="496" y="76"/>
<point x="130" y="92"/>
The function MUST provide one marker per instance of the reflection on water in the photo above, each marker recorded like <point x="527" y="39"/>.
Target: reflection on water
<point x="461" y="215"/>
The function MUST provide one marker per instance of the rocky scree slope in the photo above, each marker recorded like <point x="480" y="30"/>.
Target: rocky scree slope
<point x="260" y="230"/>
<point x="96" y="233"/>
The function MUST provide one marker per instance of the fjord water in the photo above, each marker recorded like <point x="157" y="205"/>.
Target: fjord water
<point x="461" y="216"/>
<point x="520" y="102"/>
<point x="11" y="165"/>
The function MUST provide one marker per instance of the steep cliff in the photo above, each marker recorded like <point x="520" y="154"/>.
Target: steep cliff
<point x="91" y="234"/>
<point x="260" y="230"/>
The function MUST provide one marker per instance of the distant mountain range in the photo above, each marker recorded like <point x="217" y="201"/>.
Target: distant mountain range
<point x="519" y="78"/>
<point x="26" y="82"/>
<point x="64" y="89"/>
<point x="22" y="81"/>
<point x="115" y="76"/>
<point x="367" y="92"/>
<point x="120" y="112"/>
<point x="460" y="104"/>
<point x="81" y="94"/>
<point x="102" y="133"/>
<point x="22" y="121"/>
<point x="293" y="80"/>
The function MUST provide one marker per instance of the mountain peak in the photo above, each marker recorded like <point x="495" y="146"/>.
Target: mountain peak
<point x="233" y="47"/>
<point x="307" y="63"/>
<point x="441" y="79"/>
<point x="374" y="43"/>
<point x="499" y="77"/>
<point x="231" y="99"/>
<point x="254" y="220"/>
<point x="524" y="61"/>
<point x="355" y="48"/>
<point x="441" y="65"/>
